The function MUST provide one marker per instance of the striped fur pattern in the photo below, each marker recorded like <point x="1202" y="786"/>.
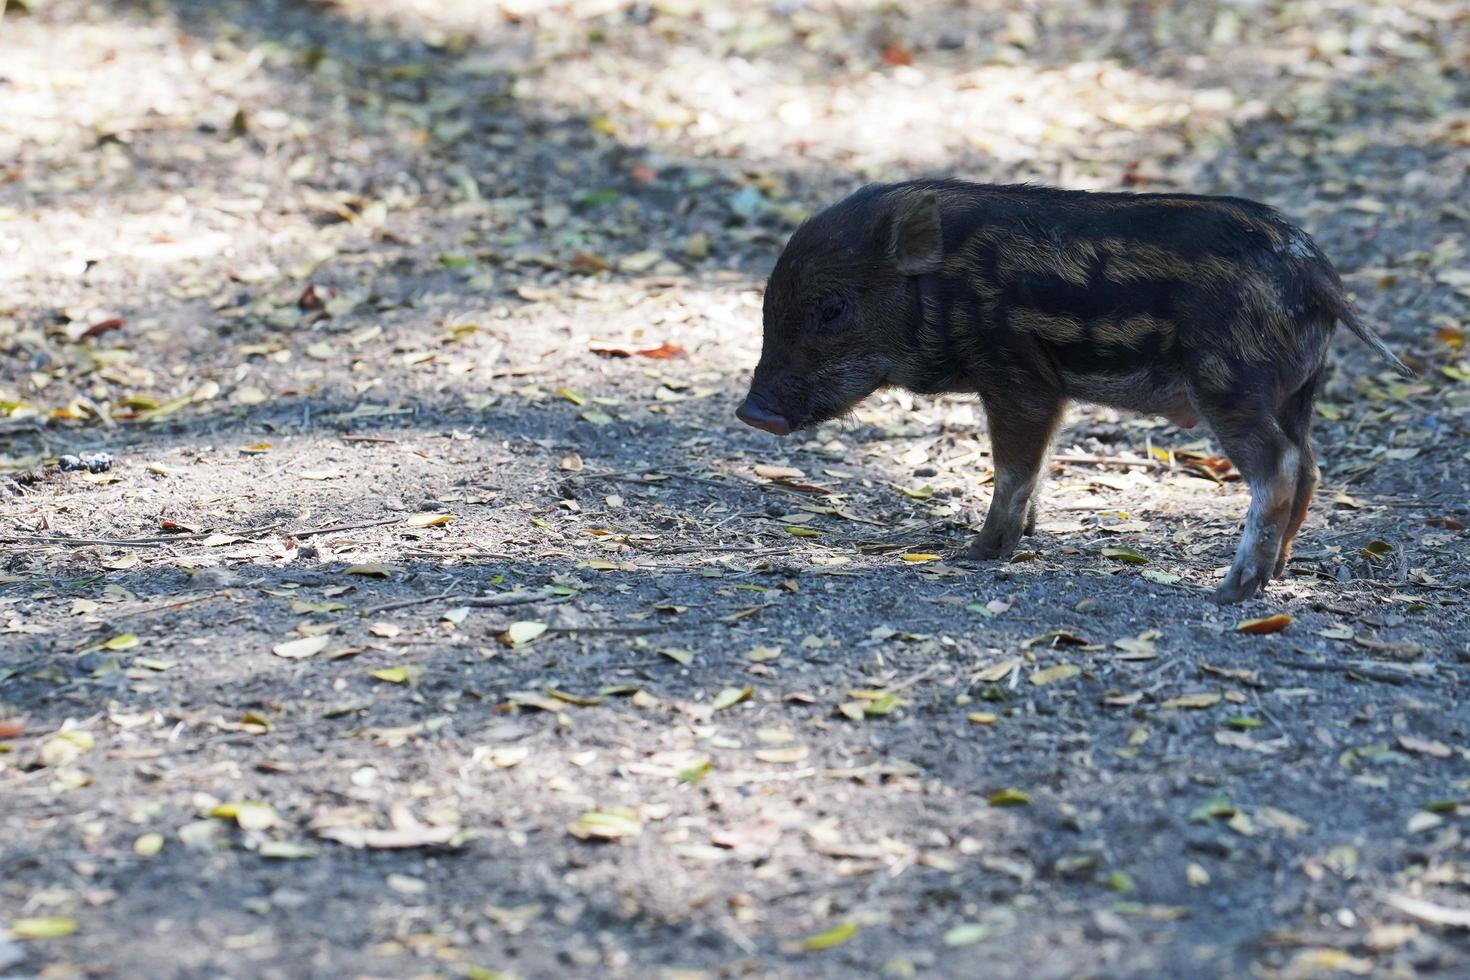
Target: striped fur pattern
<point x="1192" y="307"/>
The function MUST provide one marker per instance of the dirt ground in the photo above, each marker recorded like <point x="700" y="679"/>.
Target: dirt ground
<point x="435" y="618"/>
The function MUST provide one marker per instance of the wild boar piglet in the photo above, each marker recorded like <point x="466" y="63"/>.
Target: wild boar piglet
<point x="1190" y="307"/>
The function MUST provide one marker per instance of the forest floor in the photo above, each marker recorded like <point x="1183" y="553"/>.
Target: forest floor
<point x="435" y="616"/>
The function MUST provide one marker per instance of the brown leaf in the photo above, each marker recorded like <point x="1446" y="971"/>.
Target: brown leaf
<point x="663" y="352"/>
<point x="101" y="327"/>
<point x="896" y="54"/>
<point x="1266" y="624"/>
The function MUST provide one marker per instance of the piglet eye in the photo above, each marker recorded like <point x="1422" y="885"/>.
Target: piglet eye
<point x="831" y="310"/>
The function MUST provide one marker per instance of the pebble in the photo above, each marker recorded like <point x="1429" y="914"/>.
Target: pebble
<point x="91" y="462"/>
<point x="11" y="953"/>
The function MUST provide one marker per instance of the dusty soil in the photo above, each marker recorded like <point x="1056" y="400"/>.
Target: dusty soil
<point x="398" y="582"/>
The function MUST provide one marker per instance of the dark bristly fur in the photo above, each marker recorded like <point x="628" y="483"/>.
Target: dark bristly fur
<point x="1187" y="306"/>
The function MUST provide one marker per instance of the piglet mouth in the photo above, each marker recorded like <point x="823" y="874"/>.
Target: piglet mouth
<point x="753" y="414"/>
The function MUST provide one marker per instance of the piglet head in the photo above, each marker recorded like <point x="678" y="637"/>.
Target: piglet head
<point x="839" y="307"/>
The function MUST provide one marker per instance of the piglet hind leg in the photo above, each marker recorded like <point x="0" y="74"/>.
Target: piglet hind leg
<point x="1270" y="463"/>
<point x="1021" y="430"/>
<point x="1296" y="422"/>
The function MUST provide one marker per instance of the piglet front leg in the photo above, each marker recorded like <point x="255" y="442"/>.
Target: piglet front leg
<point x="1022" y="424"/>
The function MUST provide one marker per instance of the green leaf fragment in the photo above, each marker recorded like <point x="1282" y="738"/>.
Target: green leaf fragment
<point x="966" y="934"/>
<point x="1010" y="797"/>
<point x="826" y="939"/>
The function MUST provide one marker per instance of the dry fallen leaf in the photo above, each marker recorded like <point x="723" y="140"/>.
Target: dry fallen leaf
<point x="308" y="646"/>
<point x="827" y="938"/>
<point x="43" y="927"/>
<point x="1051" y="675"/>
<point x="1266" y="624"/>
<point x="606" y="825"/>
<point x="730" y="696"/>
<point x="396" y="839"/>
<point x="1203" y="700"/>
<point x="1424" y="746"/>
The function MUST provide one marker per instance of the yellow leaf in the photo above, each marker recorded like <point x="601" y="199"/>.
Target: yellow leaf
<point x="429" y="519"/>
<point x="918" y="557"/>
<point x="407" y="674"/>
<point x="731" y="696"/>
<point x="786" y="753"/>
<point x="998" y="671"/>
<point x="168" y="408"/>
<point x="124" y="642"/>
<point x="301" y="607"/>
<point x="981" y="717"/>
<point x="1205" y="700"/>
<point x="826" y="939"/>
<point x="375" y="570"/>
<point x="678" y="655"/>
<point x="1010" y="797"/>
<point x="247" y="814"/>
<point x="606" y="825"/>
<point x="1051" y="675"/>
<point x="43" y="927"/>
<point x="65" y="746"/>
<point x="148" y="844"/>
<point x="802" y="532"/>
<point x="569" y="698"/>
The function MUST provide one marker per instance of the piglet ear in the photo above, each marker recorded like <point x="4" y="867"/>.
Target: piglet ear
<point x="914" y="239"/>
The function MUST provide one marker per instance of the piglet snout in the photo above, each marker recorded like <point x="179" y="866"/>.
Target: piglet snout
<point x="753" y="414"/>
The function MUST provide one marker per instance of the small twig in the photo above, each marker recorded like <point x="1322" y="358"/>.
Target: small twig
<point x="382" y="439"/>
<point x="1372" y="675"/>
<point x="636" y="476"/>
<point x="1089" y="460"/>
<point x="107" y="542"/>
<point x="163" y="608"/>
<point x="155" y="542"/>
<point x="631" y="630"/>
<point x="924" y="674"/>
<point x="479" y="601"/>
<point x="313" y="532"/>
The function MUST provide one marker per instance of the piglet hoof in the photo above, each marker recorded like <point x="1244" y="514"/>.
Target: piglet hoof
<point x="987" y="547"/>
<point x="1238" y="587"/>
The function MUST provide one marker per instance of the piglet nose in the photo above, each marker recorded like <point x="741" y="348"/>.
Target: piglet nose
<point x="754" y="415"/>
